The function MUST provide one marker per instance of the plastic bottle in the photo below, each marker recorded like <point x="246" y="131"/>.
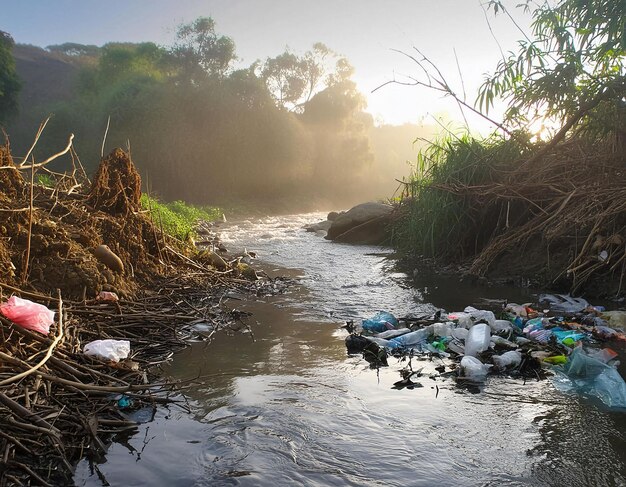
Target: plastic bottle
<point x="411" y="339"/>
<point x="478" y="339"/>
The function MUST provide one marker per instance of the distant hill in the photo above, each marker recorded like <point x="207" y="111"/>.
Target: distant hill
<point x="47" y="78"/>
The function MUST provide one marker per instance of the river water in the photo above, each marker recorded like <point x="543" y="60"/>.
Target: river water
<point x="285" y="405"/>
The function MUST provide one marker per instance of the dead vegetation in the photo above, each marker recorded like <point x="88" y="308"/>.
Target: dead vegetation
<point x="58" y="405"/>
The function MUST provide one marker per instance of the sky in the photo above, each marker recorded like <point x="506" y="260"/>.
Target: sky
<point x="368" y="32"/>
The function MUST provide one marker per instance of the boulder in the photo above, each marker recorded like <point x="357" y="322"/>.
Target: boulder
<point x="320" y="226"/>
<point x="365" y="223"/>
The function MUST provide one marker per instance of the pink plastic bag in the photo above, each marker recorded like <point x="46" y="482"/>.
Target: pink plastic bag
<point x="27" y="314"/>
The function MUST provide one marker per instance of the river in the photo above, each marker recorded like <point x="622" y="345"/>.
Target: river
<point x="285" y="405"/>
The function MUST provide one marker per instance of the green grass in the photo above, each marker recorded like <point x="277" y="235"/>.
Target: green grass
<point x="443" y="215"/>
<point x="179" y="219"/>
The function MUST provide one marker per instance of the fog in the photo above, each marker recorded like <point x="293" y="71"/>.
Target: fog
<point x="288" y="133"/>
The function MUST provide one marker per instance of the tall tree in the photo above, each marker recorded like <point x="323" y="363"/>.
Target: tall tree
<point x="9" y="82"/>
<point x="201" y="52"/>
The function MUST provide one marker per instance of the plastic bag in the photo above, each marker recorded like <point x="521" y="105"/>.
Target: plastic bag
<point x="463" y="319"/>
<point x="481" y="315"/>
<point x="392" y="333"/>
<point x="443" y="329"/>
<point x="27" y="314"/>
<point x="592" y="377"/>
<point x="113" y="350"/>
<point x="474" y="369"/>
<point x="563" y="303"/>
<point x="501" y="326"/>
<point x="478" y="339"/>
<point x="508" y="360"/>
<point x="381" y="321"/>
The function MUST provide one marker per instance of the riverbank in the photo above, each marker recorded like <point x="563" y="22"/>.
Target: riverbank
<point x="89" y="253"/>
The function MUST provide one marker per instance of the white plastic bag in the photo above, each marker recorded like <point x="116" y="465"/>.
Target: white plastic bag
<point x="113" y="350"/>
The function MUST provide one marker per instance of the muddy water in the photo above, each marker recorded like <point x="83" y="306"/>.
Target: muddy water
<point x="284" y="405"/>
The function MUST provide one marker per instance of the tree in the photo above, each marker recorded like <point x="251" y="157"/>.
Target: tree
<point x="200" y="52"/>
<point x="294" y="80"/>
<point x="9" y="82"/>
<point x="573" y="69"/>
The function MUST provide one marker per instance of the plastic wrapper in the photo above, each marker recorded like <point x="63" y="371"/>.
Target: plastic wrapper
<point x="27" y="314"/>
<point x="114" y="350"/>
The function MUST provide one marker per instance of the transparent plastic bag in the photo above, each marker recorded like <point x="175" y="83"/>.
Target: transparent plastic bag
<point x="27" y="314"/>
<point x="592" y="377"/>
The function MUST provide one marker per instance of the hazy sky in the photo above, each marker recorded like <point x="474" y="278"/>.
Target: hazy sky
<point x="365" y="31"/>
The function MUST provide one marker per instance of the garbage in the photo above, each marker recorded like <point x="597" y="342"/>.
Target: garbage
<point x="381" y="321"/>
<point x="113" y="350"/>
<point x="463" y="319"/>
<point x="615" y="318"/>
<point x="502" y="326"/>
<point x="29" y="315"/>
<point x="478" y="339"/>
<point x="415" y="338"/>
<point x="592" y="377"/>
<point x="473" y="369"/>
<point x="442" y="329"/>
<point x="508" y="360"/>
<point x="527" y="344"/>
<point x="563" y="303"/>
<point x="107" y="296"/>
<point x="392" y="333"/>
<point x="478" y="315"/>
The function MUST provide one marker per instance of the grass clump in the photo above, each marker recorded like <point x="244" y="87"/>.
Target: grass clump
<point x="179" y="219"/>
<point x="441" y="201"/>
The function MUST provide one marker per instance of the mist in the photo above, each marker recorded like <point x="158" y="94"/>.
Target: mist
<point x="288" y="133"/>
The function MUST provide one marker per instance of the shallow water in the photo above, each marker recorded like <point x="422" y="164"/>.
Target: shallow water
<point x="285" y="405"/>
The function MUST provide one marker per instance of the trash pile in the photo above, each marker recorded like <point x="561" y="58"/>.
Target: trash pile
<point x="567" y="340"/>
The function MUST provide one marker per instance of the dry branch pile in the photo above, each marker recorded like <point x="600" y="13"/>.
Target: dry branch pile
<point x="58" y="405"/>
<point x="562" y="215"/>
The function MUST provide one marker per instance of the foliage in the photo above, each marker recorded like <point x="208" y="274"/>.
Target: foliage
<point x="440" y="218"/>
<point x="9" y="82"/>
<point x="200" y="52"/>
<point x="294" y="80"/>
<point x="179" y="219"/>
<point x="574" y="63"/>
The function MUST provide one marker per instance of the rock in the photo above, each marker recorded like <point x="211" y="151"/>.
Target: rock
<point x="105" y="255"/>
<point x="211" y="258"/>
<point x="374" y="215"/>
<point x="320" y="226"/>
<point x="332" y="216"/>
